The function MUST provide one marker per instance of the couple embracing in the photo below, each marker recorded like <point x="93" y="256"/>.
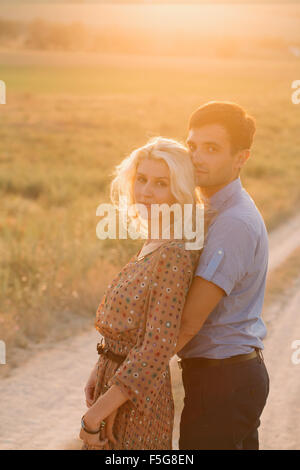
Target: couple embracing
<point x="203" y="305"/>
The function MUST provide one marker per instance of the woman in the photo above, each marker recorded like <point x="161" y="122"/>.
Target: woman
<point x="129" y="392"/>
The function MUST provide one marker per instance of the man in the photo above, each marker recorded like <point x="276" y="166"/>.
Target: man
<point x="224" y="376"/>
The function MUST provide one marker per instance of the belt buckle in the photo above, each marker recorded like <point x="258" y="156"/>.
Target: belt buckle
<point x="99" y="348"/>
<point x="102" y="349"/>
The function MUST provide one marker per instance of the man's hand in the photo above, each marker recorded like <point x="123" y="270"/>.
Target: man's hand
<point x="202" y="298"/>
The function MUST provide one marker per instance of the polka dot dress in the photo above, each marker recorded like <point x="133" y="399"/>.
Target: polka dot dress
<point x="139" y="317"/>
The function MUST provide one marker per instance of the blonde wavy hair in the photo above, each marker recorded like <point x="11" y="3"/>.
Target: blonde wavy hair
<point x="182" y="176"/>
<point x="174" y="154"/>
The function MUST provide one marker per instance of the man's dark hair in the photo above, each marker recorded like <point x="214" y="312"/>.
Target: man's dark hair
<point x="239" y="125"/>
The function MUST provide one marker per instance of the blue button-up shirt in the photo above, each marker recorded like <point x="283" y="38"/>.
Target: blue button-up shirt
<point x="235" y="258"/>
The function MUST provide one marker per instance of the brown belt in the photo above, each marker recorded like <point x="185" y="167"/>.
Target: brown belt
<point x="205" y="362"/>
<point x="105" y="351"/>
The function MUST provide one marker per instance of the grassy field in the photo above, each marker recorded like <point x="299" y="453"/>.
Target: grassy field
<point x="62" y="131"/>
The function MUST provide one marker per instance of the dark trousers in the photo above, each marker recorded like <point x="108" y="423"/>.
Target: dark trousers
<point x="222" y="405"/>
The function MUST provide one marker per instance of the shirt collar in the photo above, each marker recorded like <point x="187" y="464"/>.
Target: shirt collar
<point x="217" y="200"/>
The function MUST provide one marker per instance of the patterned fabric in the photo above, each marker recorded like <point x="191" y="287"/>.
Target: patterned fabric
<point x="139" y="317"/>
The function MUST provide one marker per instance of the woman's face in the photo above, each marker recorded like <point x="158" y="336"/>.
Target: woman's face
<point x="152" y="184"/>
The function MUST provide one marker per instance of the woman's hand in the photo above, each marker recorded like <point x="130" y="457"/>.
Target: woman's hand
<point x="90" y="387"/>
<point x="93" y="440"/>
<point x="109" y="426"/>
<point x="105" y="435"/>
<point x="103" y="409"/>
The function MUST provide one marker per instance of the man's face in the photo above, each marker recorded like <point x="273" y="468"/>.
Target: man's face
<point x="210" y="150"/>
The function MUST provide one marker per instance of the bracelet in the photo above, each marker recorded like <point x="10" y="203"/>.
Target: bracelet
<point x="90" y="432"/>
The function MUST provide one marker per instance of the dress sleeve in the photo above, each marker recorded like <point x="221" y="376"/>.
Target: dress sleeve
<point x="145" y="368"/>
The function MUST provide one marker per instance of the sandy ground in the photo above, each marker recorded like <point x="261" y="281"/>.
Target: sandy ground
<point x="283" y="241"/>
<point x="280" y="428"/>
<point x="42" y="401"/>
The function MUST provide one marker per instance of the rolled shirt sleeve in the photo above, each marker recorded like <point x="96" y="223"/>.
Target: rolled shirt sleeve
<point x="227" y="253"/>
<point x="145" y="368"/>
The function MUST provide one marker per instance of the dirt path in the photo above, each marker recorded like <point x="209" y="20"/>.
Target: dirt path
<point x="283" y="241"/>
<point x="42" y="401"/>
<point x="280" y="427"/>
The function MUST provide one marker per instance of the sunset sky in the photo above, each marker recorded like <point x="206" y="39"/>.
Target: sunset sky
<point x="246" y="19"/>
